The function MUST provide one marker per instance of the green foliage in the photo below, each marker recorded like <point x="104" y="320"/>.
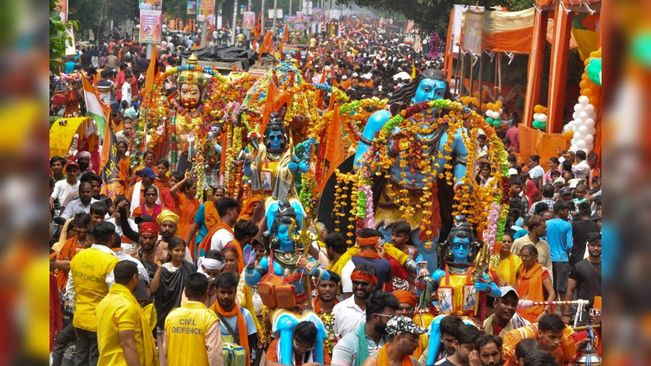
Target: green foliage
<point x="58" y="37"/>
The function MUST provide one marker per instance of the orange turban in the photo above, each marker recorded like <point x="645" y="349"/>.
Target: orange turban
<point x="405" y="297"/>
<point x="372" y="241"/>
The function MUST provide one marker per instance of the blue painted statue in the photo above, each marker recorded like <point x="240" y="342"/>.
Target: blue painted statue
<point x="456" y="285"/>
<point x="289" y="262"/>
<point x="429" y="85"/>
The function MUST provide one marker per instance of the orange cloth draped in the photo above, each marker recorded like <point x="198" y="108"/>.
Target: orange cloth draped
<point x="563" y="354"/>
<point x="535" y="142"/>
<point x="247" y="208"/>
<point x="240" y="256"/>
<point x="187" y="208"/>
<point x="383" y="357"/>
<point x="241" y="326"/>
<point x="211" y="217"/>
<point x="67" y="252"/>
<point x="529" y="284"/>
<point x="205" y="243"/>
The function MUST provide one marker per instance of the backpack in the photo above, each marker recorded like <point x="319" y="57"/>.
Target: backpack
<point x="233" y="353"/>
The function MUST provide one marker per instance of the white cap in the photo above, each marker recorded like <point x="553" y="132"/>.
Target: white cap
<point x="344" y="77"/>
<point x="355" y="74"/>
<point x="560" y="180"/>
<point x="574" y="182"/>
<point x="513" y="171"/>
<point x="506" y="289"/>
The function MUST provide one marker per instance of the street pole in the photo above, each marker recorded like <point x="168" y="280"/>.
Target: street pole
<point x="235" y="5"/>
<point x="273" y="24"/>
<point x="262" y="18"/>
<point x="248" y="6"/>
<point x="290" y="8"/>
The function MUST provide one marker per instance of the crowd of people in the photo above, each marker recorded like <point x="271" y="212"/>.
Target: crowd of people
<point x="156" y="276"/>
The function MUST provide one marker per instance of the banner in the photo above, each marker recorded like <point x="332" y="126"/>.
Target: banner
<point x="207" y="9"/>
<point x="150" y="26"/>
<point x="192" y="7"/>
<point x="472" y="31"/>
<point x="248" y="20"/>
<point x="62" y="9"/>
<point x="151" y="5"/>
<point x="278" y="13"/>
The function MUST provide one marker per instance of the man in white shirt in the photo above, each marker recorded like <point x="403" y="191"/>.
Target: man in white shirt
<point x="228" y="210"/>
<point x="536" y="172"/>
<point x="81" y="204"/>
<point x="581" y="169"/>
<point x="349" y="314"/>
<point x="66" y="186"/>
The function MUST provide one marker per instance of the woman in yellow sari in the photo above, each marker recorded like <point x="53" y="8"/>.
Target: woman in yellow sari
<point x="508" y="264"/>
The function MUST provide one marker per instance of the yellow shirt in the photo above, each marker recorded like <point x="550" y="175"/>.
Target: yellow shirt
<point x="89" y="269"/>
<point x="187" y="331"/>
<point x="506" y="269"/>
<point x="120" y="311"/>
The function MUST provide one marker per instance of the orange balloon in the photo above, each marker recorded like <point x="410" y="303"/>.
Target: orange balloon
<point x="586" y="61"/>
<point x="586" y="91"/>
<point x="538" y="108"/>
<point x="489" y="106"/>
<point x="583" y="84"/>
<point x="568" y="134"/>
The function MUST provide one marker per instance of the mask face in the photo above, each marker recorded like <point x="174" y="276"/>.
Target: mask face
<point x="190" y="95"/>
<point x="276" y="141"/>
<point x="429" y="89"/>
<point x="460" y="249"/>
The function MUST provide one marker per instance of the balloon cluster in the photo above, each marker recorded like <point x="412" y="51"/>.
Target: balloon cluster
<point x="539" y="117"/>
<point x="584" y="119"/>
<point x="494" y="113"/>
<point x="582" y="126"/>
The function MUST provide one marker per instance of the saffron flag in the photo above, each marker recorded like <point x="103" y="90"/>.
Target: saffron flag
<point x="152" y="71"/>
<point x="110" y="172"/>
<point x="97" y="110"/>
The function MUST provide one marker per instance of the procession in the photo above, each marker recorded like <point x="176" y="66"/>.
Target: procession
<point x="325" y="183"/>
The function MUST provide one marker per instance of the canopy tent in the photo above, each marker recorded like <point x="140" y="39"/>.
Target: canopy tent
<point x="504" y="31"/>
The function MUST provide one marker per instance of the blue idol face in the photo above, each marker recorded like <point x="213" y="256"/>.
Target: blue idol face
<point x="429" y="89"/>
<point x="276" y="141"/>
<point x="283" y="237"/>
<point x="460" y="250"/>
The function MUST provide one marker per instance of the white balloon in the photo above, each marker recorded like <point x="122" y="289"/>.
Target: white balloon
<point x="575" y="115"/>
<point x="578" y="135"/>
<point x="589" y="122"/>
<point x="589" y="147"/>
<point x="496" y="115"/>
<point x="584" y="100"/>
<point x="566" y="128"/>
<point x="589" y="139"/>
<point x="578" y="107"/>
<point x="488" y="113"/>
<point x="535" y="116"/>
<point x="581" y="144"/>
<point x="543" y="118"/>
<point x="589" y="108"/>
<point x="583" y="129"/>
<point x="583" y="116"/>
<point x="591" y="130"/>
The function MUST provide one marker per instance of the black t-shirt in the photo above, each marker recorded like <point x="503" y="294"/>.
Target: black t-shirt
<point x="588" y="278"/>
<point x="445" y="362"/>
<point x="580" y="230"/>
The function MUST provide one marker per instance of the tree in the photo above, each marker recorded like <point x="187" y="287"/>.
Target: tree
<point x="59" y="36"/>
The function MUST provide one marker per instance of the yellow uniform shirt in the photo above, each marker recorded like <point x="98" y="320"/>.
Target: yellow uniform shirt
<point x="120" y="311"/>
<point x="89" y="269"/>
<point x="190" y="332"/>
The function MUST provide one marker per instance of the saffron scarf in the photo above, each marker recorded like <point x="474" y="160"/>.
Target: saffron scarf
<point x="368" y="254"/>
<point x="241" y="326"/>
<point x="247" y="209"/>
<point x="205" y="243"/>
<point x="211" y="217"/>
<point x="316" y="305"/>
<point x="383" y="357"/>
<point x="362" y="345"/>
<point x="529" y="285"/>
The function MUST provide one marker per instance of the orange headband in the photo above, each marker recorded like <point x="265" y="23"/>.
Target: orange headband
<point x="361" y="276"/>
<point x="373" y="240"/>
<point x="405" y="297"/>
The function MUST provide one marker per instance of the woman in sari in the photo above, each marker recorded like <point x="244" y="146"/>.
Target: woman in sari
<point x="508" y="263"/>
<point x="168" y="283"/>
<point x="533" y="282"/>
<point x="184" y="194"/>
<point x="149" y="207"/>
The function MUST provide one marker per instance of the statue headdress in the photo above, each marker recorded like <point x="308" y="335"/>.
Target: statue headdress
<point x="191" y="76"/>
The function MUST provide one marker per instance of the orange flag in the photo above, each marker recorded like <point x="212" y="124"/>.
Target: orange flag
<point x="269" y="104"/>
<point x="334" y="153"/>
<point x="152" y="71"/>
